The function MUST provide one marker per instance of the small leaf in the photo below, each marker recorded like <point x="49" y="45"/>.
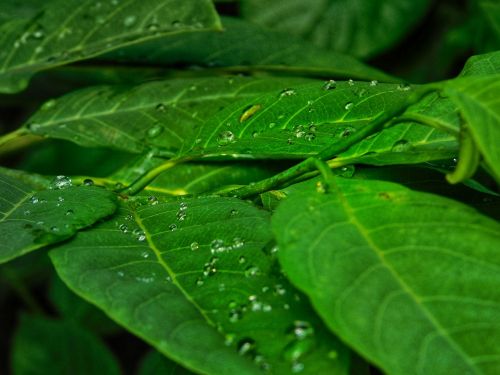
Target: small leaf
<point x="197" y="279"/>
<point x="360" y="28"/>
<point x="71" y="30"/>
<point x="44" y="346"/>
<point x="31" y="219"/>
<point x="409" y="279"/>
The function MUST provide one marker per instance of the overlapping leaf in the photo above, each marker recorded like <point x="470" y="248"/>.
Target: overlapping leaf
<point x="360" y="28"/>
<point x="32" y="218"/>
<point x="409" y="279"/>
<point x="197" y="279"/>
<point x="64" y="31"/>
<point x="244" y="46"/>
<point x="482" y="65"/>
<point x="43" y="346"/>
<point x="158" y="115"/>
<point x="478" y="99"/>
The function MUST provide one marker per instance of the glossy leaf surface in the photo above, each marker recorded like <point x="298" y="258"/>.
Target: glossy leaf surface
<point x="244" y="46"/>
<point x="64" y="31"/>
<point x="156" y="115"/>
<point x="408" y="279"/>
<point x="32" y="218"/>
<point x="197" y="279"/>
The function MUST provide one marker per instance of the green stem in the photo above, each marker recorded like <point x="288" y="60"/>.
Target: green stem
<point x="18" y="133"/>
<point x="143" y="181"/>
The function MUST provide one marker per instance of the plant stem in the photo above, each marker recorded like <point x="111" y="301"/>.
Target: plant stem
<point x="18" y="133"/>
<point x="140" y="183"/>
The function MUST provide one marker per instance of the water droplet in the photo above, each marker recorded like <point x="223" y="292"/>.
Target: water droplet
<point x="255" y="304"/>
<point x="152" y="200"/>
<point x="88" y="182"/>
<point x="27" y="212"/>
<point x="145" y="254"/>
<point x="344" y="132"/>
<point x="54" y="229"/>
<point x="242" y="259"/>
<point x="272" y="125"/>
<point x="34" y="200"/>
<point x="161" y="107"/>
<point x="251" y="271"/>
<point x="279" y="290"/>
<point x="195" y="246"/>
<point x="60" y="199"/>
<point x="38" y="33"/>
<point x="172" y="227"/>
<point x="200" y="281"/>
<point x="70" y="212"/>
<point x="238" y="243"/>
<point x="348" y="106"/>
<point x="177" y="24"/>
<point x="234" y="212"/>
<point x="374" y="83"/>
<point x="153" y="26"/>
<point x="350" y="82"/>
<point x="120" y="274"/>
<point x="225" y="137"/>
<point x="404" y="87"/>
<point x="61" y="182"/>
<point x="129" y="21"/>
<point x="310" y="136"/>
<point x="255" y="134"/>
<point x="330" y="85"/>
<point x="217" y="246"/>
<point x="297" y="367"/>
<point x="401" y="146"/>
<point x="155" y="131"/>
<point x="288" y="92"/>
<point x="347" y="171"/>
<point x="299" y="131"/>
<point x="246" y="346"/>
<point x="123" y="228"/>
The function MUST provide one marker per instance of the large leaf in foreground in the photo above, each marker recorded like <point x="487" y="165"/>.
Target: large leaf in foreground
<point x="478" y="99"/>
<point x="70" y="30"/>
<point x="409" y="279"/>
<point x="157" y="115"/>
<point x="358" y="27"/>
<point x="481" y="65"/>
<point x="244" y="46"/>
<point x="31" y="218"/>
<point x="43" y="346"/>
<point x="198" y="280"/>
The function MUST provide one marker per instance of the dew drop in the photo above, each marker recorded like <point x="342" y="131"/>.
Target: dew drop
<point x="310" y="136"/>
<point x="246" y="346"/>
<point x="229" y="339"/>
<point x="88" y="182"/>
<point x="350" y="82"/>
<point x="48" y="105"/>
<point x="404" y="87"/>
<point x="374" y="83"/>
<point x="39" y="33"/>
<point x="34" y="200"/>
<point x="54" y="229"/>
<point x="225" y="137"/>
<point x="161" y="107"/>
<point x="152" y="200"/>
<point x="195" y="246"/>
<point x="287" y="92"/>
<point x="70" y="212"/>
<point x="61" y="182"/>
<point x="347" y="171"/>
<point x="251" y="271"/>
<point x="172" y="227"/>
<point x="321" y="187"/>
<point x="348" y="106"/>
<point x="330" y="85"/>
<point x="155" y="131"/>
<point x="242" y="259"/>
<point x="123" y="228"/>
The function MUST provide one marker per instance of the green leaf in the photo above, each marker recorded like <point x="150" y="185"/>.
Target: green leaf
<point x="299" y="122"/>
<point x="155" y="363"/>
<point x="478" y="100"/>
<point x="409" y="279"/>
<point x="32" y="218"/>
<point x="491" y="11"/>
<point x="155" y="115"/>
<point x="65" y="31"/>
<point x="244" y="46"/>
<point x="361" y="28"/>
<point x="44" y="346"/>
<point x="482" y="65"/>
<point x="198" y="280"/>
<point x="73" y="308"/>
